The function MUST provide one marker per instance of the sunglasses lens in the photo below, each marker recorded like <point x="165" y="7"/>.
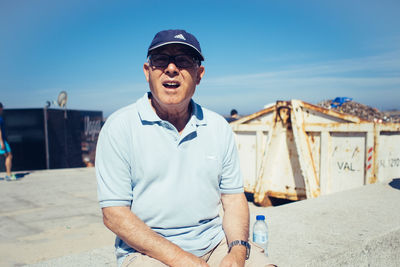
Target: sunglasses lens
<point x="184" y="61"/>
<point x="159" y="60"/>
<point x="181" y="61"/>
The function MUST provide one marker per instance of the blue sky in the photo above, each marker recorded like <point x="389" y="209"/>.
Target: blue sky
<point x="256" y="52"/>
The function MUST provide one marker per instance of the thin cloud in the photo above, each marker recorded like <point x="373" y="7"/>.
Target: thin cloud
<point x="373" y="80"/>
<point x="381" y="65"/>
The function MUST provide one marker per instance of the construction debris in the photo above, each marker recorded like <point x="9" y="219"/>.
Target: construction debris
<point x="363" y="111"/>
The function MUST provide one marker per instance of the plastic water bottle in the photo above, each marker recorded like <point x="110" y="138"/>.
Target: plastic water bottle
<point x="260" y="233"/>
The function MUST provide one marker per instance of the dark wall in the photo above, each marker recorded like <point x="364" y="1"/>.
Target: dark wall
<point x="72" y="137"/>
<point x="25" y="134"/>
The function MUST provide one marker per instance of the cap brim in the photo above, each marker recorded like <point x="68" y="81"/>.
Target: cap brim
<point x="175" y="42"/>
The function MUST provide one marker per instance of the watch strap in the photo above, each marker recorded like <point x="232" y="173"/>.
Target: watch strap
<point x="240" y="243"/>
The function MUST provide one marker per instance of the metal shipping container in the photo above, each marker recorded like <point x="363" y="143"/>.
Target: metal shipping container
<point x="295" y="150"/>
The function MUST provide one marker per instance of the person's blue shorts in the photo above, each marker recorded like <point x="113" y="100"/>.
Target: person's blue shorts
<point x="7" y="148"/>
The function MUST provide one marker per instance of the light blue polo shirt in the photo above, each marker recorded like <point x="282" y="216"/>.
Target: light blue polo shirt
<point x="171" y="181"/>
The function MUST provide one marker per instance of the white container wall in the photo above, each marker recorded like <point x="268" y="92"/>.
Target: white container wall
<point x="387" y="165"/>
<point x="295" y="150"/>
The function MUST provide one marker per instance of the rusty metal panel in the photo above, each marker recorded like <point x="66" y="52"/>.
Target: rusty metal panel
<point x="324" y="174"/>
<point x="339" y="127"/>
<point x="260" y="117"/>
<point x="281" y="173"/>
<point x="333" y="115"/>
<point x="248" y="144"/>
<point x="388" y="150"/>
<point x="303" y="147"/>
<point x="313" y="116"/>
<point x="314" y="139"/>
<point x="346" y="161"/>
<point x="266" y="118"/>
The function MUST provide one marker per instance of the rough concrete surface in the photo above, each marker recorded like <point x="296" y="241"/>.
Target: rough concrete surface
<point x="52" y="218"/>
<point x="50" y="214"/>
<point x="359" y="227"/>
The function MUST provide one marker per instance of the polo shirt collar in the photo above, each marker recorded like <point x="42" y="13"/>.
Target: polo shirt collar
<point x="197" y="114"/>
<point x="145" y="110"/>
<point x="147" y="113"/>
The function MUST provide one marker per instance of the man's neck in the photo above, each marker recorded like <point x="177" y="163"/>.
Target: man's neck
<point x="177" y="116"/>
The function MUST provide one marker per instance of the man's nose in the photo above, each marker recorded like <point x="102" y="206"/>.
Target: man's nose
<point x="171" y="68"/>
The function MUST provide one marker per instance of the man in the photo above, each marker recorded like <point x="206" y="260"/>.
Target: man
<point x="234" y="116"/>
<point x="164" y="164"/>
<point x="5" y="148"/>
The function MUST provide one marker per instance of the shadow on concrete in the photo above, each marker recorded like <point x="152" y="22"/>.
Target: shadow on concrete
<point x="274" y="201"/>
<point x="395" y="183"/>
<point x="19" y="176"/>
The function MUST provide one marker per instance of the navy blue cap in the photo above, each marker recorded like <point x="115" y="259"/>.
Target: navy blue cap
<point x="175" y="37"/>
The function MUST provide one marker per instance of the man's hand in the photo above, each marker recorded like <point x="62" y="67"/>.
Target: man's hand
<point x="184" y="259"/>
<point x="2" y="146"/>
<point x="235" y="258"/>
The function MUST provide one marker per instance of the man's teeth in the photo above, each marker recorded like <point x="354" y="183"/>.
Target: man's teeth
<point x="172" y="84"/>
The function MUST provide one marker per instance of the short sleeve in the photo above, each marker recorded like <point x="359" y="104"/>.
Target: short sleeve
<point x="113" y="164"/>
<point x="231" y="176"/>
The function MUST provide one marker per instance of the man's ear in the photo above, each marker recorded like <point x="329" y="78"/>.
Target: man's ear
<point x="200" y="73"/>
<point x="146" y="70"/>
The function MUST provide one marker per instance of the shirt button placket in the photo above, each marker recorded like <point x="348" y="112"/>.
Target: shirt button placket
<point x="172" y="130"/>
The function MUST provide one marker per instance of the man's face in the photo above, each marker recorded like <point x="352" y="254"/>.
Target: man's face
<point x="173" y="86"/>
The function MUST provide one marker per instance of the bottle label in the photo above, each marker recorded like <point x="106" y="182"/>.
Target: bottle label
<point x="260" y="238"/>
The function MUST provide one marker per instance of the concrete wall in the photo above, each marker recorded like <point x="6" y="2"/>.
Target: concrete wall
<point x="359" y="227"/>
<point x="52" y="218"/>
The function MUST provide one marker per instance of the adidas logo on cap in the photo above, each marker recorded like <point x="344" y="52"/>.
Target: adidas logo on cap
<point x="180" y="36"/>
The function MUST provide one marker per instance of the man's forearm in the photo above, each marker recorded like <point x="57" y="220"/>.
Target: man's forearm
<point x="142" y="238"/>
<point x="236" y="217"/>
<point x="236" y="227"/>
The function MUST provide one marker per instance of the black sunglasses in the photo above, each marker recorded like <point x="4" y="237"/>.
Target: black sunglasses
<point x="181" y="61"/>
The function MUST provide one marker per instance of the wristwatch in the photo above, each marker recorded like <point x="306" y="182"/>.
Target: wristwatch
<point x="241" y="243"/>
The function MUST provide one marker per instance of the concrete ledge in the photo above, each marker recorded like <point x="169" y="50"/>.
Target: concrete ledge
<point x="359" y="227"/>
<point x="52" y="218"/>
<point x="380" y="251"/>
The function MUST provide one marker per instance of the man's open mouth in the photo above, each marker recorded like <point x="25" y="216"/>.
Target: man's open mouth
<point x="171" y="85"/>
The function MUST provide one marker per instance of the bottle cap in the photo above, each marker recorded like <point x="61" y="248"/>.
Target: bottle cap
<point x="260" y="217"/>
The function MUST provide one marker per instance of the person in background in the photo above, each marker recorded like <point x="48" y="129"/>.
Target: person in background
<point x="165" y="164"/>
<point x="234" y="116"/>
<point x="5" y="148"/>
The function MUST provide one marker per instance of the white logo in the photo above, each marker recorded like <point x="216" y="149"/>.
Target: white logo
<point x="180" y="36"/>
